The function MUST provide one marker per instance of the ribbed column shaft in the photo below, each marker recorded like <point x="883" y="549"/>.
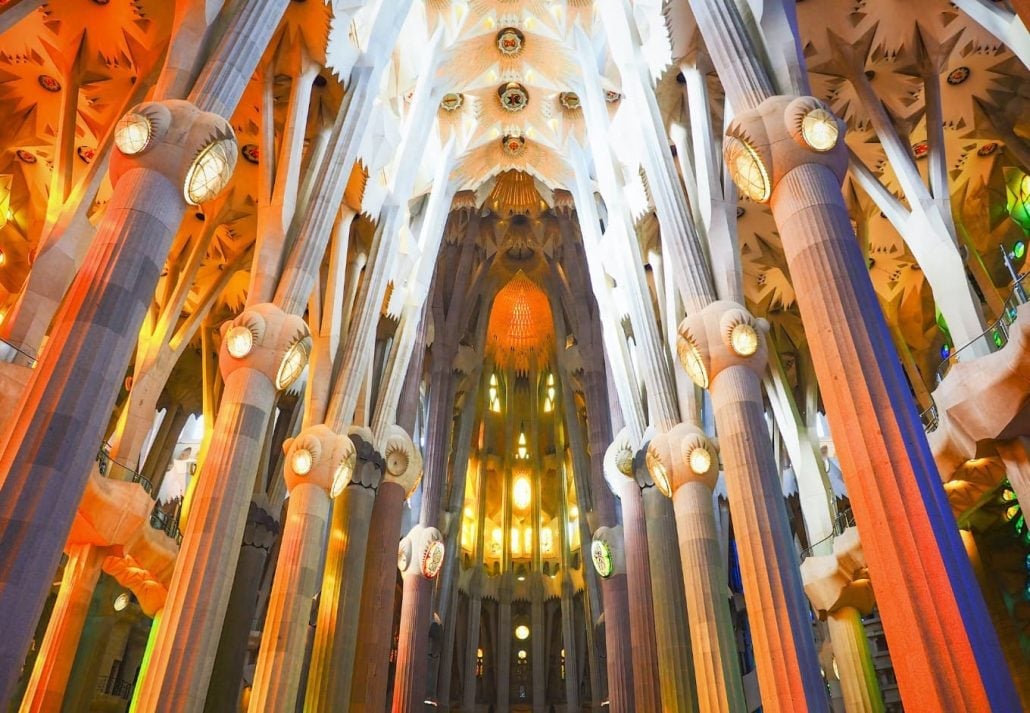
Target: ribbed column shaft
<point x="617" y="644"/>
<point x="56" y="654"/>
<point x="646" y="686"/>
<point x="375" y="629"/>
<point x="935" y="612"/>
<point x="468" y="696"/>
<point x="569" y="643"/>
<point x="716" y="670"/>
<point x="854" y="662"/>
<point x="409" y="687"/>
<point x="339" y="606"/>
<point x="785" y="657"/>
<point x="670" y="605"/>
<point x="66" y="404"/>
<point x="537" y="636"/>
<point x="284" y="639"/>
<point x="179" y="669"/>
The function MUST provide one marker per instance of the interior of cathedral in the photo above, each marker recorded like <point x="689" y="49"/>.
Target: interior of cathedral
<point x="514" y="355"/>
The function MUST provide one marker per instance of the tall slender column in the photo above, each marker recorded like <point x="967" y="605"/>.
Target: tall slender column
<point x="504" y="593"/>
<point x="691" y="466"/>
<point x="339" y="605"/>
<point x="607" y="554"/>
<point x="538" y="636"/>
<point x="619" y="472"/>
<point x="56" y="654"/>
<point x="201" y="583"/>
<point x="468" y="696"/>
<point x="568" y="614"/>
<point x="317" y="461"/>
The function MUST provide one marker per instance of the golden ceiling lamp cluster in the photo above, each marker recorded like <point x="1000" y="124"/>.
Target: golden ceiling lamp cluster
<point x="520" y="334"/>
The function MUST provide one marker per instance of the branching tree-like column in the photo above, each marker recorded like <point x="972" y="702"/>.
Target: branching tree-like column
<point x="687" y="460"/>
<point x="790" y="152"/>
<point x="318" y="462"/>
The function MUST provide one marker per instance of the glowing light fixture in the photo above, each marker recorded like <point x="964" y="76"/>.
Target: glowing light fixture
<point x="700" y="460"/>
<point x="744" y="339"/>
<point x="747" y="169"/>
<point x="601" y="554"/>
<point x="523" y="655"/>
<point x="239" y="340"/>
<point x="516" y="541"/>
<point x="495" y="535"/>
<point x="293" y="363"/>
<point x="122" y="601"/>
<point x="468" y="512"/>
<point x="301" y="461"/>
<point x="820" y="130"/>
<point x="659" y="474"/>
<point x="522" y="451"/>
<point x="521" y="632"/>
<point x="693" y="364"/>
<point x="546" y="540"/>
<point x="573" y="512"/>
<point x="522" y="493"/>
<point x="210" y="171"/>
<point x="343" y="475"/>
<point x="133" y="133"/>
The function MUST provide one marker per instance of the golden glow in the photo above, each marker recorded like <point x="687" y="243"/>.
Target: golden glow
<point x="527" y="540"/>
<point x="660" y="476"/>
<point x="520" y="333"/>
<point x="700" y="460"/>
<point x="132" y="134"/>
<point x="210" y="171"/>
<point x="573" y="512"/>
<point x="496" y="536"/>
<point x="546" y="540"/>
<point x="239" y="340"/>
<point x="521" y="632"/>
<point x="516" y="541"/>
<point x="293" y="363"/>
<point x="744" y="339"/>
<point x="523" y="655"/>
<point x="121" y="601"/>
<point x="342" y="477"/>
<point x="468" y="512"/>
<point x="693" y="364"/>
<point x="820" y="130"/>
<point x="747" y="169"/>
<point x="522" y="493"/>
<point x="301" y="461"/>
<point x="522" y="451"/>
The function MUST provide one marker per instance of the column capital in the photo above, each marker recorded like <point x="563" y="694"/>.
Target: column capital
<point x="263" y="338"/>
<point x="721" y="335"/>
<point x="193" y="149"/>
<point x="402" y="458"/>
<point x="618" y="461"/>
<point x="319" y="456"/>
<point x="682" y="455"/>
<point x="369" y="466"/>
<point x="421" y="553"/>
<point x="838" y="580"/>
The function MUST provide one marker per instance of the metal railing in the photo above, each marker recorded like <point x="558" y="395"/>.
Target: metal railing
<point x="995" y="336"/>
<point x="930" y="417"/>
<point x="844" y="520"/>
<point x="159" y="519"/>
<point x="115" y="687"/>
<point x="8" y="352"/>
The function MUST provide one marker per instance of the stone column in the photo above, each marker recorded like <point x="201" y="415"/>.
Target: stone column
<point x="468" y="698"/>
<point x="620" y="477"/>
<point x="45" y="691"/>
<point x="537" y="636"/>
<point x="317" y="461"/>
<point x="607" y="554"/>
<point x="687" y="460"/>
<point x="375" y="629"/>
<point x="840" y="592"/>
<point x="421" y="557"/>
<point x="722" y="347"/>
<point x="936" y="613"/>
<point x="503" y="647"/>
<point x="263" y="350"/>
<point x="339" y="605"/>
<point x="66" y="404"/>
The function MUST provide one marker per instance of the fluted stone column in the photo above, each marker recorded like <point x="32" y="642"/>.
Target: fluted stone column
<point x="339" y="605"/>
<point x="180" y="665"/>
<point x="687" y="460"/>
<point x="839" y="589"/>
<point x="504" y="594"/>
<point x="722" y="347"/>
<point x="66" y="404"/>
<point x="468" y="697"/>
<point x="45" y="691"/>
<point x="609" y="560"/>
<point x="538" y="636"/>
<point x="317" y="461"/>
<point x="620" y="476"/>
<point x="375" y="630"/>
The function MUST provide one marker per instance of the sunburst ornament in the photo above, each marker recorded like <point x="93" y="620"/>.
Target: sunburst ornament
<point x="432" y="559"/>
<point x="511" y="41"/>
<point x="513" y="97"/>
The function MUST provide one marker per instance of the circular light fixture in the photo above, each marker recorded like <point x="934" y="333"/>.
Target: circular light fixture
<point x="122" y="601"/>
<point x="251" y="153"/>
<point x="133" y="133"/>
<point x="521" y="632"/>
<point x="700" y="460"/>
<point x="920" y="149"/>
<point x="819" y="129"/>
<point x="403" y="555"/>
<point x="523" y="655"/>
<point x="958" y="76"/>
<point x="49" y="83"/>
<point x="660" y="476"/>
<point x="569" y="100"/>
<point x="522" y="493"/>
<point x="293" y="363"/>
<point x="510" y="41"/>
<point x="210" y="171"/>
<point x="744" y="339"/>
<point x="747" y="169"/>
<point x="342" y="477"/>
<point x="513" y="97"/>
<point x="432" y="559"/>
<point x="693" y="364"/>
<point x="239" y="340"/>
<point x="601" y="554"/>
<point x="301" y="461"/>
<point x="513" y="146"/>
<point x="452" y="101"/>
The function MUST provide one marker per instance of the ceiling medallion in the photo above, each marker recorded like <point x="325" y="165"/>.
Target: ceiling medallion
<point x="510" y="41"/>
<point x="958" y="75"/>
<point x="513" y="96"/>
<point x="569" y="100"/>
<point x="921" y="149"/>
<point x="49" y="83"/>
<point x="513" y="146"/>
<point x="611" y="96"/>
<point x="250" y="152"/>
<point x="987" y="149"/>
<point x="86" y="153"/>
<point x="452" y="101"/>
<point x="24" y="156"/>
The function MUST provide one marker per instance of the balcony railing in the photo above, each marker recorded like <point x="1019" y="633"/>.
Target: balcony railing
<point x="159" y="519"/>
<point x="8" y="352"/>
<point x="844" y="520"/>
